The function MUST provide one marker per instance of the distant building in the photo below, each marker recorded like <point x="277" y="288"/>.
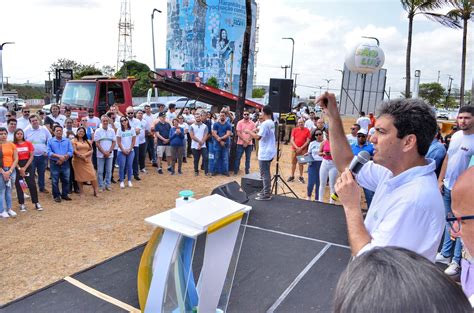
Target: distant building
<point x="207" y="36"/>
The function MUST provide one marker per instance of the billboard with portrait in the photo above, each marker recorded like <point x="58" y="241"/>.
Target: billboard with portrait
<point x="207" y="36"/>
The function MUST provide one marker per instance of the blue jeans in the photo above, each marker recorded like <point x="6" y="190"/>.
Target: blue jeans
<point x="125" y="164"/>
<point x="60" y="172"/>
<point x="221" y="159"/>
<point x="104" y="164"/>
<point x="313" y="179"/>
<point x="135" y="160"/>
<point x="448" y="244"/>
<point x="210" y="156"/>
<point x="240" y="151"/>
<point x="39" y="166"/>
<point x="6" y="191"/>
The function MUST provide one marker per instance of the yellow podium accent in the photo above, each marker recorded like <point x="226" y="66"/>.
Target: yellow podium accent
<point x="224" y="222"/>
<point x="145" y="270"/>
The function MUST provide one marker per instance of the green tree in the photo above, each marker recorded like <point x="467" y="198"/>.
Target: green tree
<point x="66" y="64"/>
<point x="258" y="93"/>
<point x="28" y="92"/>
<point x="212" y="81"/>
<point x="87" y="70"/>
<point x="414" y="7"/>
<point x="108" y="70"/>
<point x="137" y="70"/>
<point x="431" y="92"/>
<point x="463" y="10"/>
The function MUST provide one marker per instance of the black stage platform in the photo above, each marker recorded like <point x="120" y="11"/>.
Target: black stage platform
<point x="292" y="255"/>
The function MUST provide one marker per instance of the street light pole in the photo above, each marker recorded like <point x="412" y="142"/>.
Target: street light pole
<point x="292" y="54"/>
<point x="1" y="62"/>
<point x="153" y="36"/>
<point x="328" y="81"/>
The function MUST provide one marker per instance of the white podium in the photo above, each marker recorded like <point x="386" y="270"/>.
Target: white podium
<point x="166" y="265"/>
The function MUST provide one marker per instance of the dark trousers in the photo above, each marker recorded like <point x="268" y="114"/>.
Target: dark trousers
<point x="114" y="161"/>
<point x="150" y="148"/>
<point x="30" y="181"/>
<point x="135" y="161"/>
<point x="239" y="153"/>
<point x="188" y="148"/>
<point x="60" y="173"/>
<point x="142" y="155"/>
<point x="39" y="166"/>
<point x="94" y="155"/>
<point x="177" y="153"/>
<point x="196" y="156"/>
<point x="72" y="181"/>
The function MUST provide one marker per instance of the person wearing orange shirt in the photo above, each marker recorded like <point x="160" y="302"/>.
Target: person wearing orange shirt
<point x="300" y="137"/>
<point x="8" y="162"/>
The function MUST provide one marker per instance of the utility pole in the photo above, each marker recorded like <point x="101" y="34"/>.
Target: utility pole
<point x="285" y="68"/>
<point x="439" y="74"/>
<point x="328" y="81"/>
<point x="450" y="82"/>
<point x="1" y="64"/>
<point x="294" y="87"/>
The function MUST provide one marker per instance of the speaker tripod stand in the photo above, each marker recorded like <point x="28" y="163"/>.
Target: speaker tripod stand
<point x="277" y="177"/>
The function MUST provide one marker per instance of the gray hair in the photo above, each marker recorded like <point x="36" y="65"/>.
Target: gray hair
<point x="393" y="280"/>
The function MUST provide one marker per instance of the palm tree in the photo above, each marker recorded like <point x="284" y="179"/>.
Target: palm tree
<point x="463" y="10"/>
<point x="414" y="7"/>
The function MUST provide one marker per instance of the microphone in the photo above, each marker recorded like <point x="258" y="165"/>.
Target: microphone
<point x="356" y="164"/>
<point x="358" y="161"/>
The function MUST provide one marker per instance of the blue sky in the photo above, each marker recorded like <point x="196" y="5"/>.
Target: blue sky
<point x="86" y="31"/>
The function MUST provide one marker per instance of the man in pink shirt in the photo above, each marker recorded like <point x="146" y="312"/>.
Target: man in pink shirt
<point x="244" y="142"/>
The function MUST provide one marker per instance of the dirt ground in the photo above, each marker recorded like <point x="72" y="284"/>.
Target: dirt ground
<point x="39" y="248"/>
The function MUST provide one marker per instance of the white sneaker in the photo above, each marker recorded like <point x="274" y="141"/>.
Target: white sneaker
<point x="22" y="208"/>
<point x="442" y="259"/>
<point x="12" y="213"/>
<point x="4" y="214"/>
<point x="122" y="184"/>
<point x="452" y="269"/>
<point x="38" y="207"/>
<point x="130" y="184"/>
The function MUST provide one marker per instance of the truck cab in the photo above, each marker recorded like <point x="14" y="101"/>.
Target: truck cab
<point x="99" y="93"/>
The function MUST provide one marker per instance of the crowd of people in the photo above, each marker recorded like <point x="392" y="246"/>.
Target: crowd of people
<point x="409" y="185"/>
<point x="89" y="151"/>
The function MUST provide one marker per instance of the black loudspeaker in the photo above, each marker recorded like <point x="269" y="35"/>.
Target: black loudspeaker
<point x="280" y="94"/>
<point x="251" y="183"/>
<point x="231" y="191"/>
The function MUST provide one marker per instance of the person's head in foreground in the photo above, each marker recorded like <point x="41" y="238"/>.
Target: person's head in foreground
<point x="404" y="131"/>
<point x="395" y="280"/>
<point x="463" y="205"/>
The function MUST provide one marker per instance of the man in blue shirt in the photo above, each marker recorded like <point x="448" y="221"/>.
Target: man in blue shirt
<point x="363" y="145"/>
<point x="59" y="151"/>
<point x="437" y="152"/>
<point x="221" y="131"/>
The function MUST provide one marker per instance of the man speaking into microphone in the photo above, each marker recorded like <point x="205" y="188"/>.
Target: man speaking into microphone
<point x="407" y="208"/>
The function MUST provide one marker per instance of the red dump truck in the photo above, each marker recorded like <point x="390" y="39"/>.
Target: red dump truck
<point x="97" y="92"/>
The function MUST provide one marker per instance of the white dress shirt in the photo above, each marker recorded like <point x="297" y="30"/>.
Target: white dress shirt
<point x="407" y="210"/>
